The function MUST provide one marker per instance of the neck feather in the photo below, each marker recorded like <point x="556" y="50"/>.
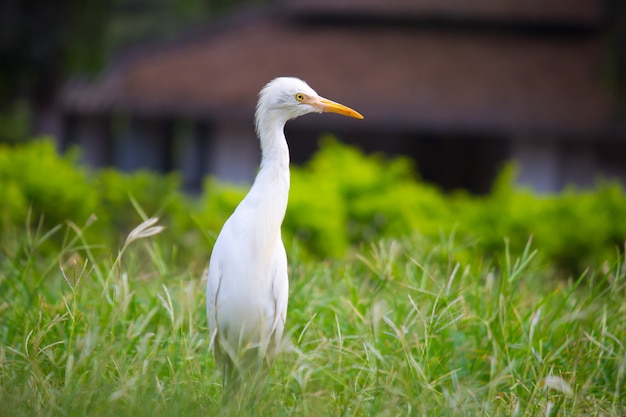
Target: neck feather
<point x="274" y="150"/>
<point x="269" y="193"/>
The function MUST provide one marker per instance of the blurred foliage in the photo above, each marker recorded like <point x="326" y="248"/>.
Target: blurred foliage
<point x="15" y="122"/>
<point x="41" y="42"/>
<point x="34" y="178"/>
<point x="340" y="200"/>
<point x="134" y="21"/>
<point x="43" y="190"/>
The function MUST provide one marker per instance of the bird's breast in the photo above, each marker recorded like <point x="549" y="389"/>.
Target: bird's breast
<point x="245" y="300"/>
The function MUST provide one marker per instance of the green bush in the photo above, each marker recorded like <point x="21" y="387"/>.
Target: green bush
<point x="342" y="198"/>
<point x="339" y="200"/>
<point x="123" y="196"/>
<point x="33" y="177"/>
<point x="43" y="189"/>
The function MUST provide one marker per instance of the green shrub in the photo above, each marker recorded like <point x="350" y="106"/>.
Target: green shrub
<point x="339" y="200"/>
<point x="122" y="196"/>
<point x="40" y="187"/>
<point x="342" y="198"/>
<point x="33" y="177"/>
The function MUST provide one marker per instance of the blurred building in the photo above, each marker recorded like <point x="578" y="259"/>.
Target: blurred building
<point x="461" y="86"/>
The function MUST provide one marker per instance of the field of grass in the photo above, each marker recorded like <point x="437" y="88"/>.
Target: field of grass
<point x="400" y="327"/>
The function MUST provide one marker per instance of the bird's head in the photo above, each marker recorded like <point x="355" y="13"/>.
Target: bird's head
<point x="287" y="98"/>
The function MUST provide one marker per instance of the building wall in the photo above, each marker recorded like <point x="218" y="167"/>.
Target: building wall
<point x="234" y="153"/>
<point x="231" y="152"/>
<point x="552" y="164"/>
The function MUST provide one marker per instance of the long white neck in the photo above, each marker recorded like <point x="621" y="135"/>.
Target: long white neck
<point x="266" y="202"/>
<point x="274" y="151"/>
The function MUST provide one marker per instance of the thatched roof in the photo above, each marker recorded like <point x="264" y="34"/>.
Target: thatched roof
<point x="403" y="77"/>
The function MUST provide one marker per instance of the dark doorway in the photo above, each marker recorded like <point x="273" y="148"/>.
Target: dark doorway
<point x="450" y="161"/>
<point x="459" y="162"/>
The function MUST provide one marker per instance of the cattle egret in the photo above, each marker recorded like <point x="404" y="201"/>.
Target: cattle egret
<point x="247" y="283"/>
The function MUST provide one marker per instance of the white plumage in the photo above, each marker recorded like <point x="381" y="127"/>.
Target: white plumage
<point x="247" y="283"/>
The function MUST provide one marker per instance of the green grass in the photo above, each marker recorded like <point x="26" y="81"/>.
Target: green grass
<point x="400" y="328"/>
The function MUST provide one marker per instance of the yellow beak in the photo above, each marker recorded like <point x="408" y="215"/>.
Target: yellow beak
<point x="329" y="106"/>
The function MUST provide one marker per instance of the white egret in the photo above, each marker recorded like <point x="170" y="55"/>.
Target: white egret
<point x="247" y="283"/>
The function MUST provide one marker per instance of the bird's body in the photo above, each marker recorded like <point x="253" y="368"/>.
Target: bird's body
<point x="247" y="282"/>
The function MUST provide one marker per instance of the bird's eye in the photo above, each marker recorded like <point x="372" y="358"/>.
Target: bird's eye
<point x="299" y="96"/>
